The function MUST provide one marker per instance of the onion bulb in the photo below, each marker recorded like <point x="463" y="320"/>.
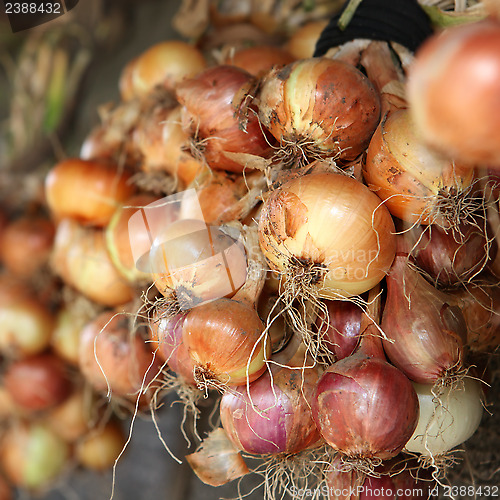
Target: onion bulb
<point x="416" y="183"/>
<point x="319" y="106"/>
<point x="259" y="59"/>
<point x="348" y="258"/>
<point x="226" y="341"/>
<point x="87" y="191"/>
<point x="215" y="113"/>
<point x="448" y="419"/>
<point x="453" y="88"/>
<point x="302" y="42"/>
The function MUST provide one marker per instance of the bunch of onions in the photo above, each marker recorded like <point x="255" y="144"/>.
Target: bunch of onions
<point x="318" y="107"/>
<point x="81" y="259"/>
<point x="26" y="244"/>
<point x="87" y="191"/>
<point x="197" y="261"/>
<point x="425" y="331"/>
<point x="416" y="183"/>
<point x="165" y="64"/>
<point x="365" y="408"/>
<point x="447" y="420"/>
<point x="453" y="88"/>
<point x="164" y="144"/>
<point x="39" y="382"/>
<point x="226" y="130"/>
<point x="26" y="323"/>
<point x="113" y="360"/>
<point x="480" y="304"/>
<point x="259" y="59"/>
<point x="272" y="416"/>
<point x="450" y="257"/>
<point x="348" y="259"/>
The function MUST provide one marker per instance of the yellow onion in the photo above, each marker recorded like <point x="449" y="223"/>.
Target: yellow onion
<point x="81" y="259"/>
<point x="416" y="183"/>
<point x="328" y="232"/>
<point x="319" y="106"/>
<point x="259" y="59"/>
<point x="226" y="341"/>
<point x="302" y="41"/>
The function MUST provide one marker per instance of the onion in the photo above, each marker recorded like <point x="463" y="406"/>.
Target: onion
<point x="25" y="322"/>
<point x="349" y="258"/>
<point x="416" y="184"/>
<point x="5" y="489"/>
<point x="32" y="455"/>
<point x="446" y="420"/>
<point x="101" y="447"/>
<point x="81" y="259"/>
<point x="119" y="238"/>
<point x="302" y="42"/>
<point x="167" y="339"/>
<point x="450" y="257"/>
<point x="165" y="64"/>
<point x="164" y="144"/>
<point x="259" y="59"/>
<point x="112" y="359"/>
<point x="339" y="327"/>
<point x="125" y="81"/>
<point x="319" y="107"/>
<point x="86" y="190"/>
<point x="65" y="340"/>
<point x="199" y="262"/>
<point x="425" y="331"/>
<point x="73" y="418"/>
<point x="26" y="244"/>
<point x="217" y="117"/>
<point x="225" y="339"/>
<point x="453" y="89"/>
<point x="365" y="408"/>
<point x="480" y="304"/>
<point x="273" y="416"/>
<point x="37" y="382"/>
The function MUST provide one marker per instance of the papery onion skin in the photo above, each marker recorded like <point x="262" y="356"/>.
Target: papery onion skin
<point x="411" y="178"/>
<point x="365" y="408"/>
<point x="327" y="104"/>
<point x="213" y="113"/>
<point x="447" y="420"/>
<point x="87" y="191"/>
<point x="259" y="59"/>
<point x="225" y="339"/>
<point x="273" y="416"/>
<point x="453" y="88"/>
<point x="425" y="332"/>
<point x="354" y="253"/>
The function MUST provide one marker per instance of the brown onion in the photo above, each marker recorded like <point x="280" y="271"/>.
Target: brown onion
<point x="453" y="89"/>
<point x="216" y="116"/>
<point x="101" y="447"/>
<point x="26" y="244"/>
<point x="164" y="64"/>
<point x="81" y="259"/>
<point x="112" y="359"/>
<point x="425" y="331"/>
<point x="349" y="258"/>
<point x="226" y="341"/>
<point x="319" y="106"/>
<point x="85" y="190"/>
<point x="259" y="59"/>
<point x="37" y="382"/>
<point x="302" y="42"/>
<point x="416" y="183"/>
